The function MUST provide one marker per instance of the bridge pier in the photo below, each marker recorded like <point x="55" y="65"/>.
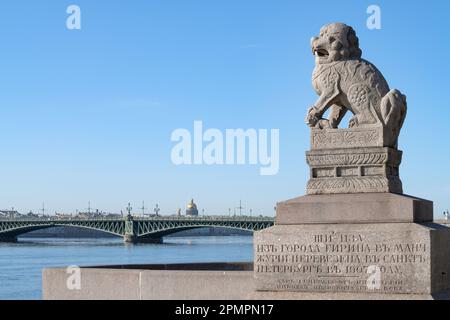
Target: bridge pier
<point x="10" y="239"/>
<point x="129" y="238"/>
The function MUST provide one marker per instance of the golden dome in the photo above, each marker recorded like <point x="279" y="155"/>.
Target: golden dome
<point x="191" y="205"/>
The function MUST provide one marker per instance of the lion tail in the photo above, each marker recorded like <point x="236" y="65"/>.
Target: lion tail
<point x="393" y="111"/>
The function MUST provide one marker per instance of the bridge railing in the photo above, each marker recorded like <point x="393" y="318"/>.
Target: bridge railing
<point x="217" y="217"/>
<point x="59" y="219"/>
<point x="138" y="218"/>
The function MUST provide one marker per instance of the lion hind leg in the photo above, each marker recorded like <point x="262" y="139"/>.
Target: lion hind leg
<point x="393" y="111"/>
<point x="361" y="105"/>
<point x="393" y="108"/>
<point x="337" y="112"/>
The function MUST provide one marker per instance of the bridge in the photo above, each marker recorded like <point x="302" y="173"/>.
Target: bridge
<point x="134" y="229"/>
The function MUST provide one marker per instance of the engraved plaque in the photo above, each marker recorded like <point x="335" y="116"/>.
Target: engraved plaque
<point x="383" y="258"/>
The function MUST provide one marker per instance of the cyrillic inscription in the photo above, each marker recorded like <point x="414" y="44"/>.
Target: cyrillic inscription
<point x="333" y="261"/>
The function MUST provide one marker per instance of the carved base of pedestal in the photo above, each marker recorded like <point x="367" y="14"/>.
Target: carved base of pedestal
<point x="354" y="170"/>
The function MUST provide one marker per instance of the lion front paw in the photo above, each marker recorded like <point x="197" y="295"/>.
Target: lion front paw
<point x="353" y="122"/>
<point x="312" y="117"/>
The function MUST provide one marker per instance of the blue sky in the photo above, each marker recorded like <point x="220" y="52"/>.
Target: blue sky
<point x="88" y="114"/>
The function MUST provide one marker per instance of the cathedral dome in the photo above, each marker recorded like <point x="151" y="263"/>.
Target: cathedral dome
<point x="191" y="209"/>
<point x="191" y="205"/>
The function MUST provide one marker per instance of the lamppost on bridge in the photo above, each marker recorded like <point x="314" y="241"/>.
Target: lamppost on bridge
<point x="129" y="208"/>
<point x="43" y="209"/>
<point x="143" y="208"/>
<point x="157" y="209"/>
<point x="240" y="207"/>
<point x="229" y="212"/>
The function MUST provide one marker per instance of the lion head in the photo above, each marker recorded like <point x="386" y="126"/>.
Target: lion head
<point x="337" y="41"/>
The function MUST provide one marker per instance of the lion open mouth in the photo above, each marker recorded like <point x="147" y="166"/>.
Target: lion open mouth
<point x="321" y="53"/>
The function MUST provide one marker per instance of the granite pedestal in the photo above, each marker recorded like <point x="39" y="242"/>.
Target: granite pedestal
<point x="359" y="244"/>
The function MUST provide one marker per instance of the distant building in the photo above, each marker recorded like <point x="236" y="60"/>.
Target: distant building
<point x="85" y="215"/>
<point x="112" y="215"/>
<point x="9" y="214"/>
<point x="191" y="209"/>
<point x="62" y="216"/>
<point x="31" y="215"/>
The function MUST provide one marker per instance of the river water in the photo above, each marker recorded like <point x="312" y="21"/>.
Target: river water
<point x="21" y="263"/>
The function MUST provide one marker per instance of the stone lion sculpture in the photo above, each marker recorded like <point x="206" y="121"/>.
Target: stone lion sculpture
<point x="346" y="82"/>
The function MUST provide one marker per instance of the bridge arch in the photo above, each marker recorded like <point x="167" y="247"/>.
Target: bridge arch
<point x="20" y="230"/>
<point x="133" y="229"/>
<point x="171" y="230"/>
